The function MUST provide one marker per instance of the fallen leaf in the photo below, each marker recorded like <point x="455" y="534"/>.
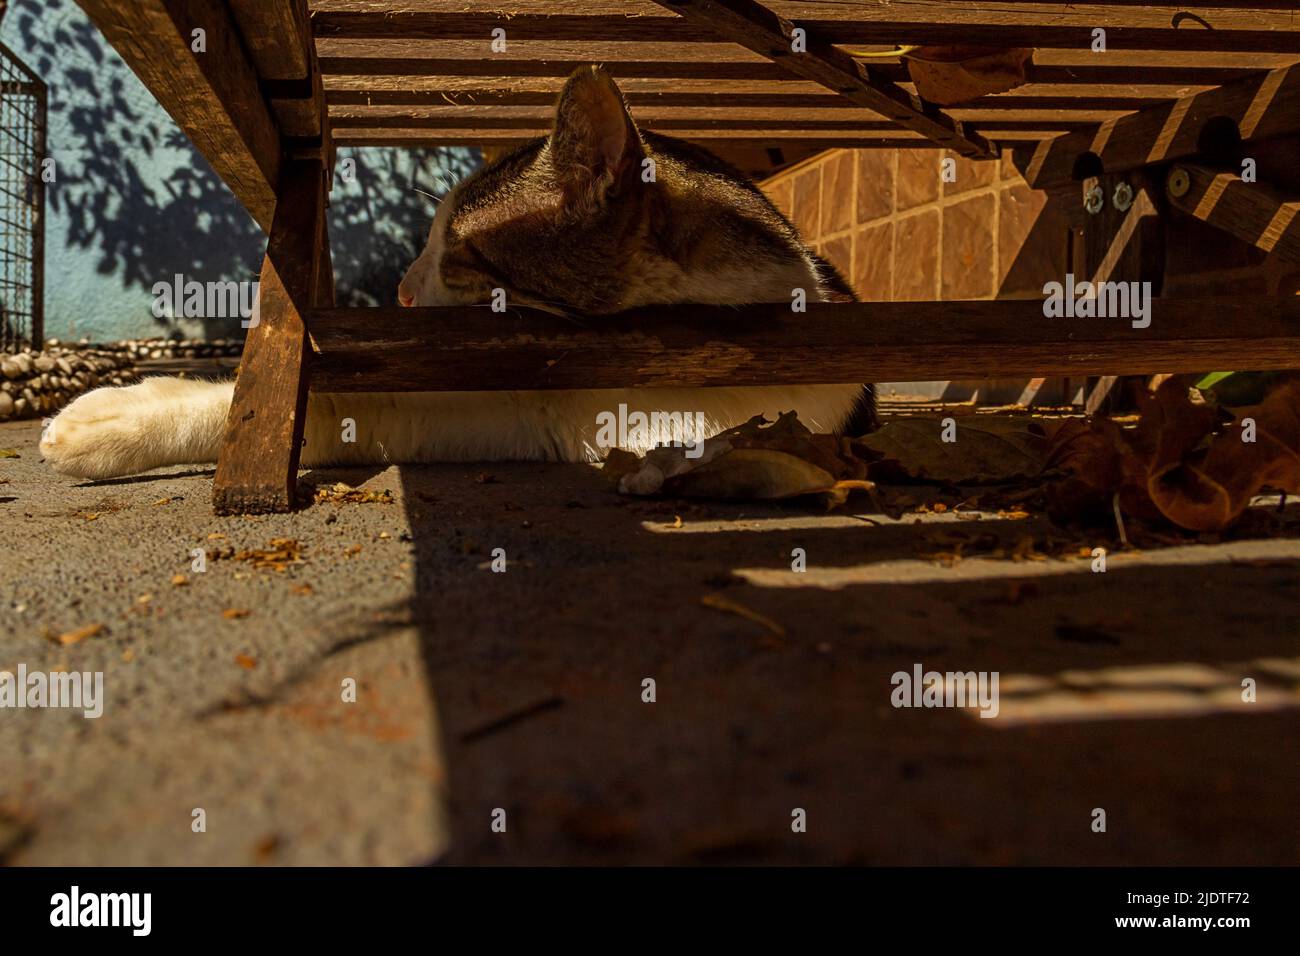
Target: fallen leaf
<point x="1204" y="484"/>
<point x="340" y="493"/>
<point x="986" y="449"/>
<point x="9" y="453"/>
<point x="304" y="589"/>
<point x="80" y="634"/>
<point x="1181" y="461"/>
<point x="721" y="603"/>
<point x="234" y="613"/>
<point x="948" y="75"/>
<point x="179" y="580"/>
<point x="758" y="459"/>
<point x="282" y="553"/>
<point x="246" y="662"/>
<point x="266" y="847"/>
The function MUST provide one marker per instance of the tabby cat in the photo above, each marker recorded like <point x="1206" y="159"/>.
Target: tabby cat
<point x="566" y="224"/>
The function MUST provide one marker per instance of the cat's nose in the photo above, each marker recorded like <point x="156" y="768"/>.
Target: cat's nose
<point x="407" y="300"/>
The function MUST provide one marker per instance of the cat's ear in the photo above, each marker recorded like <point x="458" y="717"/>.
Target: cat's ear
<point x="595" y="145"/>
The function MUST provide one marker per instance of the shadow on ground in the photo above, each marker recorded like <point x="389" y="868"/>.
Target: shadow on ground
<point x="523" y="690"/>
<point x="538" y="675"/>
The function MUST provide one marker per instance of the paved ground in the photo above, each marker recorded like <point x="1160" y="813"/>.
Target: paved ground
<point x="523" y="691"/>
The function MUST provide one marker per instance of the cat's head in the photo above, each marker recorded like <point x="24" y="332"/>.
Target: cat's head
<point x="600" y="217"/>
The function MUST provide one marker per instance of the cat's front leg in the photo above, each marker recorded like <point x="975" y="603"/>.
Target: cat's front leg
<point x="123" y="431"/>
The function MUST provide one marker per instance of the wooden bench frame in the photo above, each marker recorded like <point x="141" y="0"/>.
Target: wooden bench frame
<point x="254" y="103"/>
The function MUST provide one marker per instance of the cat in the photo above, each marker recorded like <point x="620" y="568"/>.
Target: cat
<point x="566" y="224"/>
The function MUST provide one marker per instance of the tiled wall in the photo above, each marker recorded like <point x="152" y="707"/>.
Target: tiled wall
<point x="897" y="231"/>
<point x="893" y="226"/>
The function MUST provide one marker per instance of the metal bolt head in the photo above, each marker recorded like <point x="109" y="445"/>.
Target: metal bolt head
<point x="1093" y="200"/>
<point x="1179" y="182"/>
<point x="1123" y="197"/>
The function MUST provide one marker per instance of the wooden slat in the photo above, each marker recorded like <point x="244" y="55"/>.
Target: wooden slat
<point x="1056" y="65"/>
<point x="298" y="116"/>
<point x="276" y="34"/>
<point x="486" y="101"/>
<point x="471" y="94"/>
<point x="1226" y="26"/>
<point x="1122" y="245"/>
<point x="722" y="105"/>
<point x="779" y="125"/>
<point x="755" y="27"/>
<point x="499" y="68"/>
<point x="981" y="114"/>
<point x="258" y="467"/>
<point x="1069" y="67"/>
<point x="710" y="139"/>
<point x="396" y="349"/>
<point x="1253" y="212"/>
<point x="1262" y="105"/>
<point x="544" y="113"/>
<point x="212" y="96"/>
<point x="480" y="48"/>
<point x="723" y="101"/>
<point x="1118" y="67"/>
<point x="346" y="121"/>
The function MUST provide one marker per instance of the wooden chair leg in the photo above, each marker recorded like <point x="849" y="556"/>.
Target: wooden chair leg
<point x="258" y="468"/>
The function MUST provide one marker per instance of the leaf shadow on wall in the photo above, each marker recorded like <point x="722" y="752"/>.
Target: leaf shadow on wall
<point x="133" y="191"/>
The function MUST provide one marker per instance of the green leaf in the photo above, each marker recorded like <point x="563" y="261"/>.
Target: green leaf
<point x="1213" y="379"/>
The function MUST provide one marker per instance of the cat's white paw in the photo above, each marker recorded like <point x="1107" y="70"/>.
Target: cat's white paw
<point x="123" y="431"/>
<point x="103" y="434"/>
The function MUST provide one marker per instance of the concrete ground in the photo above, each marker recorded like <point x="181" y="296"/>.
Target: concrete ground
<point x="523" y="692"/>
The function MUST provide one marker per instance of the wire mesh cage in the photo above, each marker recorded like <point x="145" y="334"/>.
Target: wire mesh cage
<point x="23" y="112"/>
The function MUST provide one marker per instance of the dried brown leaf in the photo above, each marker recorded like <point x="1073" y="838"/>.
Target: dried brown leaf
<point x="948" y="75"/>
<point x="721" y="603"/>
<point x="986" y="449"/>
<point x="80" y="634"/>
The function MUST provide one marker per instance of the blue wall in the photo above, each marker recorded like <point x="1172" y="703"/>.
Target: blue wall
<point x="135" y="204"/>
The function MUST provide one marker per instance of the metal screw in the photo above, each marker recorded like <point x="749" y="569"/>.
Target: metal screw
<point x="1179" y="182"/>
<point x="1123" y="197"/>
<point x="1093" y="200"/>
